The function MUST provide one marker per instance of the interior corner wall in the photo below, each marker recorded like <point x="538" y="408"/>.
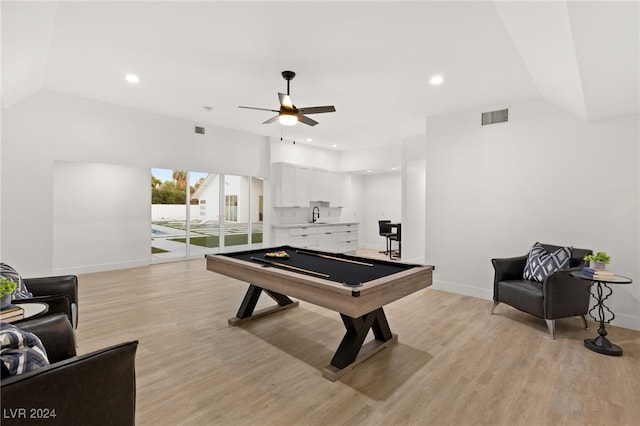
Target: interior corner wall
<point x="49" y="127"/>
<point x="1" y="193"/>
<point x="304" y="155"/>
<point x="545" y="176"/>
<point x="413" y="199"/>
<point x="382" y="199"/>
<point x="381" y="158"/>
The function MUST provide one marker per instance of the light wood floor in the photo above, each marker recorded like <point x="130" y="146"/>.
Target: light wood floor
<point x="454" y="364"/>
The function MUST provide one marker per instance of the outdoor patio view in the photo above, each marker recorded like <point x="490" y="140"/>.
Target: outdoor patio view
<point x="222" y="211"/>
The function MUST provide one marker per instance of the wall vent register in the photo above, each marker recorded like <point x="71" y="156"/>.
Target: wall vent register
<point x="495" y="117"/>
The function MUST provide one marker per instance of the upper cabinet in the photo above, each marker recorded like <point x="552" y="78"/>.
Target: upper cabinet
<point x="301" y="186"/>
<point x="296" y="186"/>
<point x="284" y="185"/>
<point x="320" y="186"/>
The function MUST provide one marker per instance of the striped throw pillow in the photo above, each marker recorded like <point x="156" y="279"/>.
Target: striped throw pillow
<point x="540" y="263"/>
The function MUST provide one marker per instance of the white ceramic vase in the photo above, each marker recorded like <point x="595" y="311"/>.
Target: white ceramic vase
<point x="5" y="300"/>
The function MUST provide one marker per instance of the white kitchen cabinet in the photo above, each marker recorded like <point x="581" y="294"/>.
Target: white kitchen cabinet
<point x="304" y="237"/>
<point x="328" y="238"/>
<point x="302" y="186"/>
<point x="296" y="186"/>
<point x="320" y="186"/>
<point x="336" y="238"/>
<point x="284" y="179"/>
<point x="347" y="238"/>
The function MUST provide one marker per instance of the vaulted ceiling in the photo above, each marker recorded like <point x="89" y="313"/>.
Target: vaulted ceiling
<point x="372" y="60"/>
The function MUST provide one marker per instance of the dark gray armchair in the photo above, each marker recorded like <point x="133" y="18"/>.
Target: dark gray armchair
<point x="559" y="296"/>
<point x="98" y="388"/>
<point x="60" y="293"/>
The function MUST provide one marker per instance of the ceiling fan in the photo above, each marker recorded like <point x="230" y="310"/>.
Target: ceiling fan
<point x="289" y="114"/>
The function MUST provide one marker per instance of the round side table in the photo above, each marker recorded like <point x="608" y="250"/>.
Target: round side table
<point x="601" y="344"/>
<point x="32" y="310"/>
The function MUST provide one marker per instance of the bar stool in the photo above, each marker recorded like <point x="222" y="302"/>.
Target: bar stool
<point x="384" y="229"/>
<point x="397" y="236"/>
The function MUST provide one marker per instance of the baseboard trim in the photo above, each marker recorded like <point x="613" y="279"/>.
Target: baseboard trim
<point x="625" y="321"/>
<point x="621" y="320"/>
<point x="87" y="269"/>
<point x="466" y="290"/>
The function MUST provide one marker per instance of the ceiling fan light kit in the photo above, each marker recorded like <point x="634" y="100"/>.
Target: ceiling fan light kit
<point x="289" y="114"/>
<point x="287" y="118"/>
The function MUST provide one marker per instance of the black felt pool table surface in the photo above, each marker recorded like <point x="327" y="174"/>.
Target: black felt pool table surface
<point x="339" y="271"/>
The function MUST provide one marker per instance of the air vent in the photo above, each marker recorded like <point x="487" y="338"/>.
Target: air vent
<point x="200" y="130"/>
<point x="495" y="117"/>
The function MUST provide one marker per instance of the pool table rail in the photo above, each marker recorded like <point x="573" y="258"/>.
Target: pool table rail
<point x="352" y="301"/>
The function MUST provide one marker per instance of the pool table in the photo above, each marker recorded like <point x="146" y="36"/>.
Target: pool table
<point x="353" y="286"/>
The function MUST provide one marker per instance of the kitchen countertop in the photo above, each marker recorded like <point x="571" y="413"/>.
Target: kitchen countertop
<point x="317" y="224"/>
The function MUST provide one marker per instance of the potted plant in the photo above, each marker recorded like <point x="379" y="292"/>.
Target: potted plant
<point x="598" y="260"/>
<point x="7" y="287"/>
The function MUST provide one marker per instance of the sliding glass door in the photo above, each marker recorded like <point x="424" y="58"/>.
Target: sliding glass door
<point x="257" y="211"/>
<point x="242" y="212"/>
<point x="168" y="214"/>
<point x="216" y="212"/>
<point x="204" y="223"/>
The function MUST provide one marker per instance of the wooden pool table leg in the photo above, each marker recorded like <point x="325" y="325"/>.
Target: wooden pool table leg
<point x="248" y="305"/>
<point x="351" y="351"/>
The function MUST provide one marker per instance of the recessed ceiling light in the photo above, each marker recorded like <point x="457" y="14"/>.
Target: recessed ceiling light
<point x="368" y="171"/>
<point x="309" y="139"/>
<point x="132" y="78"/>
<point x="436" y="79"/>
<point x="394" y="168"/>
<point x="334" y="146"/>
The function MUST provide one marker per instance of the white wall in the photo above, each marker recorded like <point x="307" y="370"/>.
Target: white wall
<point x="546" y="176"/>
<point x="382" y="199"/>
<point x="100" y="216"/>
<point x="49" y="127"/>
<point x="378" y="159"/>
<point x="304" y="155"/>
<point x="355" y="211"/>
<point x="413" y="199"/>
<point x="1" y="256"/>
<point x="175" y="212"/>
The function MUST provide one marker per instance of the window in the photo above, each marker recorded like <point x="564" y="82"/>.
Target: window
<point x="231" y="208"/>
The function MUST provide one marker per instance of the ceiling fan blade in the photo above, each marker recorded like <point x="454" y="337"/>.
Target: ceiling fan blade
<point x="317" y="110"/>
<point x="306" y="120"/>
<point x="259" y="109"/>
<point x="272" y="119"/>
<point x="285" y="100"/>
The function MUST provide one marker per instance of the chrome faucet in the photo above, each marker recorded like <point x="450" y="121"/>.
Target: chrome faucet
<point x="313" y="214"/>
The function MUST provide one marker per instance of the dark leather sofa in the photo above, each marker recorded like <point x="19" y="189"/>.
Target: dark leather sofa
<point x="59" y="292"/>
<point x="95" y="389"/>
<point x="559" y="296"/>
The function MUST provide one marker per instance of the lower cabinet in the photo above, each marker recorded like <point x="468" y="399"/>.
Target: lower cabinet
<point x="332" y="238"/>
<point x="304" y="237"/>
<point x="328" y="238"/>
<point x="347" y="238"/>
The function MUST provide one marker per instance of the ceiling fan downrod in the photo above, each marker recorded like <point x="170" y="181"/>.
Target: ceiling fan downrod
<point x="288" y="75"/>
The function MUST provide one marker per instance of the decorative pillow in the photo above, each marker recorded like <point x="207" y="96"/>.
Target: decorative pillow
<point x="8" y="272"/>
<point x="20" y="351"/>
<point x="541" y="263"/>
